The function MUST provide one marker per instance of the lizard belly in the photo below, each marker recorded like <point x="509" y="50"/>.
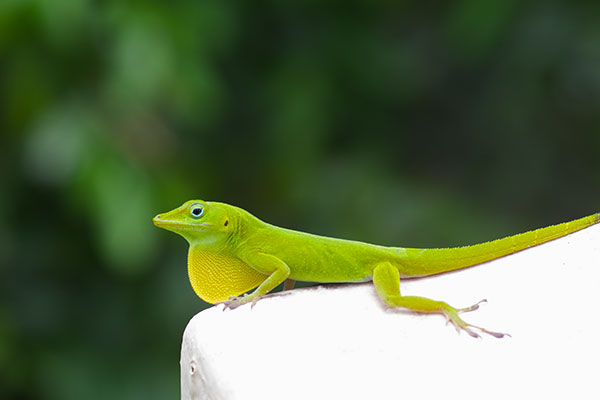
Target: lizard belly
<point x="216" y="277"/>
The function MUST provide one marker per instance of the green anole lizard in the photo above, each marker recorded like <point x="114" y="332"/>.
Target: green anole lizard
<point x="231" y="252"/>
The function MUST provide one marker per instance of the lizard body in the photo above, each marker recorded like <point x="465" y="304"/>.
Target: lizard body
<point x="232" y="251"/>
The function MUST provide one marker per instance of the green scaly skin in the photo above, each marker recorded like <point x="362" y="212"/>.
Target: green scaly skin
<point x="232" y="252"/>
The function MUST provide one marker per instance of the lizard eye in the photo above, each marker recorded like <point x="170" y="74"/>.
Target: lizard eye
<point x="197" y="211"/>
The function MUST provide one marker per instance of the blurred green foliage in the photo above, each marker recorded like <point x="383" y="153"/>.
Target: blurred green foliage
<point x="394" y="122"/>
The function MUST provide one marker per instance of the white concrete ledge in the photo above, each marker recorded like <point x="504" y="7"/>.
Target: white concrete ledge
<point x="340" y="342"/>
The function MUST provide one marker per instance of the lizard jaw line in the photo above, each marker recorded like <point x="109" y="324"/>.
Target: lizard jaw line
<point x="163" y="223"/>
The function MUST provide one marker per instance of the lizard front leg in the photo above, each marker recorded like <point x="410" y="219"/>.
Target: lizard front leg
<point x="277" y="272"/>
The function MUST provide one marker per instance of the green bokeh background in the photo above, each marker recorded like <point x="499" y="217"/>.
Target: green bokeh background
<point x="395" y="122"/>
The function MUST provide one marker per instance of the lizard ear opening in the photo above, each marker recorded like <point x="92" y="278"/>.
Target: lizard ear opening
<point x="226" y="222"/>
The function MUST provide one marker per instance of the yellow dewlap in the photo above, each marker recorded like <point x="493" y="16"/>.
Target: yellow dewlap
<point x="217" y="277"/>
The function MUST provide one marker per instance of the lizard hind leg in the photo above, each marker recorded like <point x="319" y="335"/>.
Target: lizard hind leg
<point x="386" y="279"/>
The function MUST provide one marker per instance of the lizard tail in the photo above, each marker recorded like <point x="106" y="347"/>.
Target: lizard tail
<point x="433" y="261"/>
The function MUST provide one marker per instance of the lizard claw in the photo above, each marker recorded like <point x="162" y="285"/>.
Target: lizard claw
<point x="473" y="307"/>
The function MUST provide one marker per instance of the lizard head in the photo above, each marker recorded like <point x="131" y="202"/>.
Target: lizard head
<point x="198" y="221"/>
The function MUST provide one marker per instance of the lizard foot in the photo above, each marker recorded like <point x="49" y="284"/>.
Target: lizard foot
<point x="451" y="314"/>
<point x="233" y="302"/>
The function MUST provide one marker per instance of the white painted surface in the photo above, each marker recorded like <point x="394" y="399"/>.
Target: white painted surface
<point x="342" y="342"/>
